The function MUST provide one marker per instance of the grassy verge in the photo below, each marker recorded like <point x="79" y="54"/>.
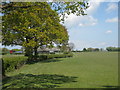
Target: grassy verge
<point x="83" y="70"/>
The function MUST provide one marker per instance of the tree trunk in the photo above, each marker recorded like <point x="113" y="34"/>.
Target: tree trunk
<point x="28" y="51"/>
<point x="35" y="51"/>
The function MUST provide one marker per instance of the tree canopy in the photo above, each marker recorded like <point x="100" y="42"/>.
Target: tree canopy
<point x="113" y="48"/>
<point x="33" y="24"/>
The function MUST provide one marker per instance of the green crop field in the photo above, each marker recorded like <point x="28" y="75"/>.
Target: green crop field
<point x="83" y="70"/>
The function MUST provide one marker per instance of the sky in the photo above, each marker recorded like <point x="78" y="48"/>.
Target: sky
<point x="97" y="29"/>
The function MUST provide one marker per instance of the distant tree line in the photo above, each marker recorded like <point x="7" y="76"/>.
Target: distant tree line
<point x="91" y="49"/>
<point x="76" y="51"/>
<point x="97" y="49"/>
<point x="113" y="48"/>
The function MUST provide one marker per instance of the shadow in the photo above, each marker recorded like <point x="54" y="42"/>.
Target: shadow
<point x="50" y="60"/>
<point x="112" y="87"/>
<point x="36" y="81"/>
<point x="43" y="61"/>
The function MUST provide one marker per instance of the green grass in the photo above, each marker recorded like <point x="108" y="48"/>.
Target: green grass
<point x="84" y="70"/>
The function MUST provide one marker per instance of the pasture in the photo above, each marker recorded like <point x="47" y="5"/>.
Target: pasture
<point x="83" y="70"/>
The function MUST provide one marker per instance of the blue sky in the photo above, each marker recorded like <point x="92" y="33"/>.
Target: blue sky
<point x="98" y="29"/>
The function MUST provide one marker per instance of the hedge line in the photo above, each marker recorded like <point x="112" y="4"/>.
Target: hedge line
<point x="50" y="56"/>
<point x="13" y="62"/>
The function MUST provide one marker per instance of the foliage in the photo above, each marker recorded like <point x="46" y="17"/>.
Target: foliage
<point x="16" y="49"/>
<point x="66" y="47"/>
<point x="67" y="8"/>
<point x="76" y="51"/>
<point x="13" y="62"/>
<point x="71" y="46"/>
<point x="5" y="51"/>
<point x="63" y="48"/>
<point x="113" y="48"/>
<point x="96" y="49"/>
<point x="17" y="53"/>
<point x="84" y="49"/>
<point x="49" y="56"/>
<point x="91" y="49"/>
<point x="31" y="24"/>
<point x="59" y="55"/>
<point x="66" y="52"/>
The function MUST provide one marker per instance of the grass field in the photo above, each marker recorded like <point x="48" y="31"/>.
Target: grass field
<point x="83" y="70"/>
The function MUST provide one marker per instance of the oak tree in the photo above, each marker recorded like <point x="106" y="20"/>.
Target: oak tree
<point x="33" y="24"/>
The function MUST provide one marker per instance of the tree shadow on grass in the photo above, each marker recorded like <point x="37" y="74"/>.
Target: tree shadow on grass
<point x="111" y="87"/>
<point x="36" y="81"/>
<point x="44" y="61"/>
<point x="51" y="60"/>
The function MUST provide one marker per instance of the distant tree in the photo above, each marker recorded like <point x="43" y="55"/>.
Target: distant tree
<point x="5" y="50"/>
<point x="101" y="49"/>
<point x="113" y="48"/>
<point x="89" y="49"/>
<point x="119" y="49"/>
<point x="109" y="48"/>
<point x="64" y="48"/>
<point x="71" y="46"/>
<point x="16" y="49"/>
<point x="96" y="49"/>
<point x="84" y="49"/>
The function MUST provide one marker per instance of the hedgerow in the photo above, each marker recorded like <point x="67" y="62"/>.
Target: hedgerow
<point x="13" y="62"/>
<point x="50" y="56"/>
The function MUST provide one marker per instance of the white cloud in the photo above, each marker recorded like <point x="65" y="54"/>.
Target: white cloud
<point x="75" y="21"/>
<point x="111" y="7"/>
<point x="109" y="31"/>
<point x="103" y="44"/>
<point x="112" y="20"/>
<point x="93" y="6"/>
<point x="88" y="21"/>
